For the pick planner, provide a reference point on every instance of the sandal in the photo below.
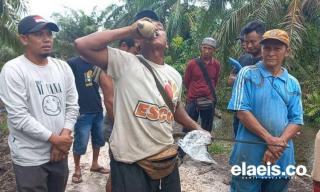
(101, 170)
(76, 178)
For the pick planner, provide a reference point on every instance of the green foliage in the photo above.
(74, 24)
(312, 106)
(3, 125)
(6, 54)
(219, 148)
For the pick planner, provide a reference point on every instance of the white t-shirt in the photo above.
(40, 100)
(143, 122)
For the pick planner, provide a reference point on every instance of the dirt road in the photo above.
(191, 181)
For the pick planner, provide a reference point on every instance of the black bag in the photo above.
(204, 103)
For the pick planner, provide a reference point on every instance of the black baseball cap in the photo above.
(146, 13)
(34, 23)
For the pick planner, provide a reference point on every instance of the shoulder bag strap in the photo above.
(163, 93)
(206, 77)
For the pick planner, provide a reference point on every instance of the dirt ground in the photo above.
(195, 177)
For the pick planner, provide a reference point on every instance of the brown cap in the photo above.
(277, 34)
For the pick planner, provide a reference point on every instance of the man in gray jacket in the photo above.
(40, 97)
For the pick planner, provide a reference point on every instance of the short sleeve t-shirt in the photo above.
(143, 122)
(89, 96)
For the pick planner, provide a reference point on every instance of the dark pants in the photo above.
(132, 178)
(205, 115)
(49, 177)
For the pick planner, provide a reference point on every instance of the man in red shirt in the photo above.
(198, 88)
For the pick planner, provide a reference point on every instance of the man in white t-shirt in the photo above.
(41, 99)
(143, 121)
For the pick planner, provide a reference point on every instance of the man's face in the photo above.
(135, 49)
(274, 52)
(252, 42)
(206, 51)
(160, 39)
(243, 44)
(38, 43)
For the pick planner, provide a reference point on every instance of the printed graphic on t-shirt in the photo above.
(88, 77)
(171, 89)
(51, 104)
(154, 112)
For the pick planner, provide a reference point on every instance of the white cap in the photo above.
(209, 41)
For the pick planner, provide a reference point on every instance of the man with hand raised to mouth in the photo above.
(143, 121)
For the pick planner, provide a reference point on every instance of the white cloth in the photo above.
(316, 163)
(40, 100)
(143, 122)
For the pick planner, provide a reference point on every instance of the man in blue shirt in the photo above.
(267, 100)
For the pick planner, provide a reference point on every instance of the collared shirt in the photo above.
(195, 82)
(274, 101)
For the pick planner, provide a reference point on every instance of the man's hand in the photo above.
(143, 29)
(61, 142)
(276, 150)
(269, 157)
(56, 154)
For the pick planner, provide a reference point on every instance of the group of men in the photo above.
(142, 96)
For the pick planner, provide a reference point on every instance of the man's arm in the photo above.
(107, 90)
(232, 77)
(187, 76)
(93, 47)
(182, 117)
(72, 107)
(216, 78)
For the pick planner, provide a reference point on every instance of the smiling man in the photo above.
(143, 119)
(267, 100)
(40, 97)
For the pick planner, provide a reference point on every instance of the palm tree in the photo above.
(290, 15)
(10, 12)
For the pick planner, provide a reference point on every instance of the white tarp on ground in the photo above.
(195, 145)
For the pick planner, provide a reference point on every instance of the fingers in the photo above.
(269, 157)
(57, 155)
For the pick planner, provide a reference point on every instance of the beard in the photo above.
(45, 55)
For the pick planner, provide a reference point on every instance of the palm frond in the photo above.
(294, 24)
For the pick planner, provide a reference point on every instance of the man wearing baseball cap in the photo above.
(143, 112)
(267, 100)
(200, 79)
(40, 97)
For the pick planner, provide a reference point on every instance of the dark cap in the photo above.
(146, 13)
(34, 23)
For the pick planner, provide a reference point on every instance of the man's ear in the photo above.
(167, 45)
(23, 39)
(288, 51)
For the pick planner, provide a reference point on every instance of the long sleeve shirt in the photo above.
(40, 101)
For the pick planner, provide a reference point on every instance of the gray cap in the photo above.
(209, 41)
